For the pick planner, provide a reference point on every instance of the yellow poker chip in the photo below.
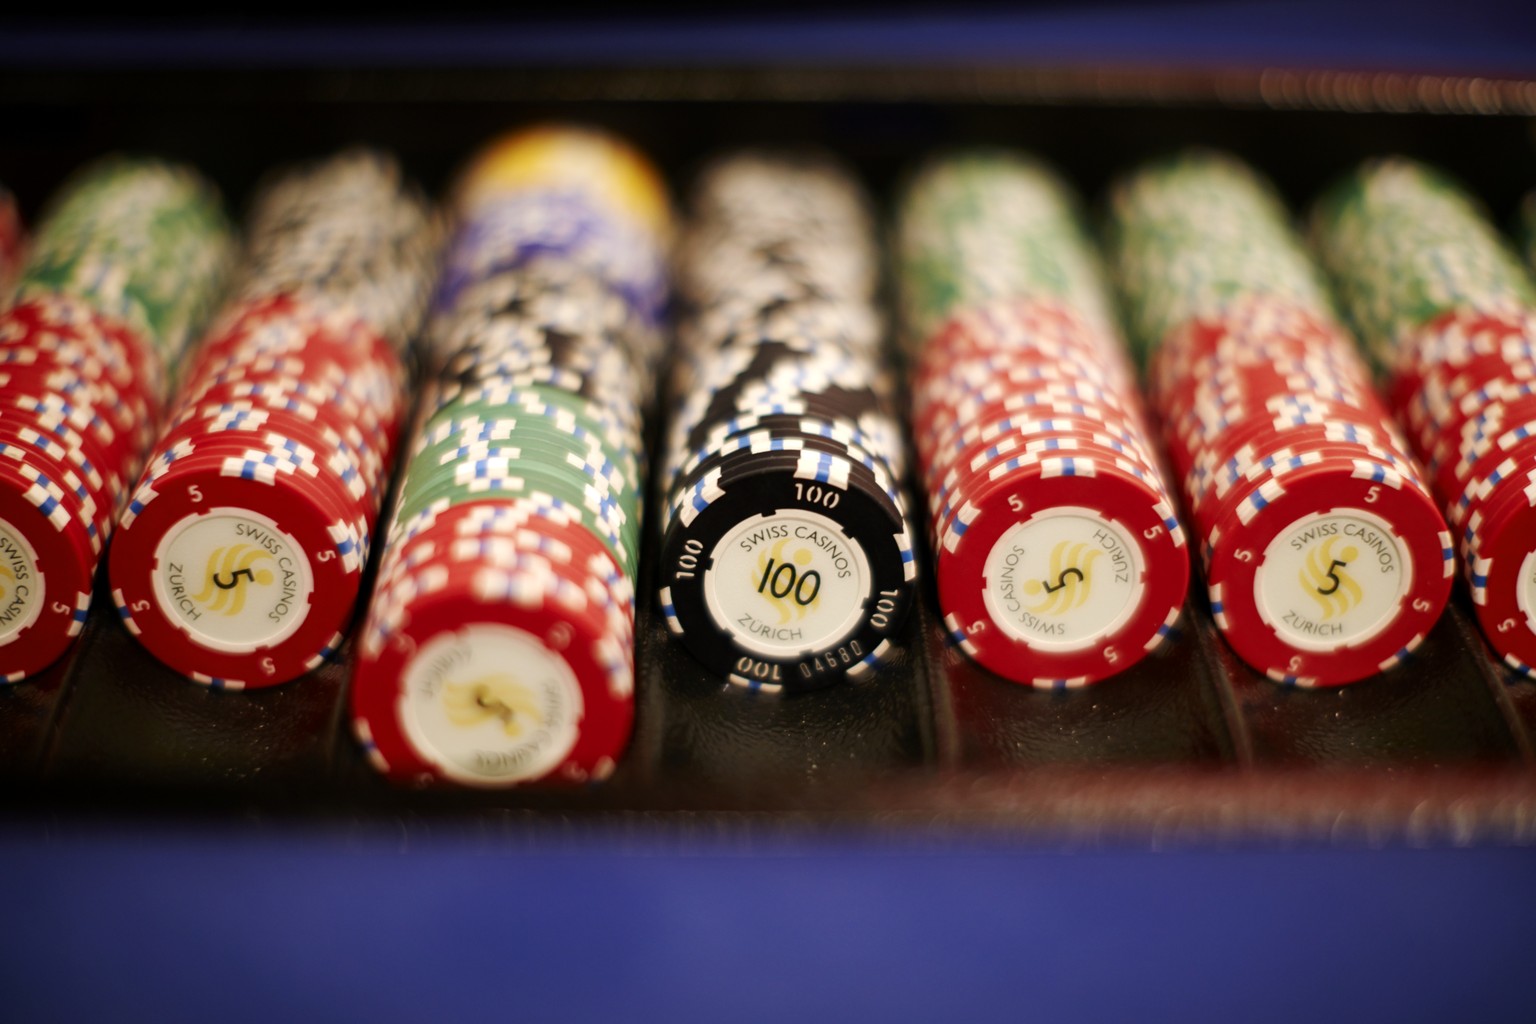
(570, 157)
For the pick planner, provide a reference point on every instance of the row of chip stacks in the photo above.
(1319, 512)
(237, 411)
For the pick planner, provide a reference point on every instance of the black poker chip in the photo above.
(787, 561)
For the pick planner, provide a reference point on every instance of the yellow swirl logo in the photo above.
(229, 570)
(1326, 581)
(492, 698)
(1070, 576)
(7, 582)
(786, 582)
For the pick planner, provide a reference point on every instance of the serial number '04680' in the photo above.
(835, 660)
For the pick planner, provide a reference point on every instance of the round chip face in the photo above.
(46, 565)
(233, 580)
(1333, 578)
(491, 704)
(1525, 591)
(785, 583)
(22, 584)
(1064, 579)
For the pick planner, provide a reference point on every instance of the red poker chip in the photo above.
(1226, 495)
(288, 324)
(367, 449)
(1329, 575)
(357, 363)
(232, 581)
(1023, 364)
(960, 481)
(1346, 438)
(1226, 483)
(1455, 339)
(1014, 324)
(274, 431)
(97, 510)
(943, 418)
(46, 568)
(1010, 432)
(573, 548)
(1016, 367)
(1496, 481)
(1235, 429)
(239, 557)
(495, 677)
(53, 435)
(1032, 551)
(942, 450)
(334, 424)
(47, 407)
(69, 327)
(1036, 444)
(1495, 442)
(319, 399)
(254, 455)
(1248, 444)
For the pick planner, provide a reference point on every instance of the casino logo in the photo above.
(228, 572)
(7, 583)
(493, 698)
(1326, 580)
(1067, 585)
(786, 582)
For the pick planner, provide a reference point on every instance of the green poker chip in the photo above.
(526, 460)
(989, 224)
(1404, 243)
(533, 400)
(1192, 234)
(143, 241)
(579, 427)
(541, 445)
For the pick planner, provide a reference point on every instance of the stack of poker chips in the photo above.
(126, 262)
(238, 559)
(499, 646)
(1446, 303)
(786, 559)
(1060, 559)
(1324, 554)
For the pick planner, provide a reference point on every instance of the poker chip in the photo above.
(238, 558)
(786, 561)
(1451, 311)
(81, 352)
(499, 643)
(1059, 554)
(1326, 560)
